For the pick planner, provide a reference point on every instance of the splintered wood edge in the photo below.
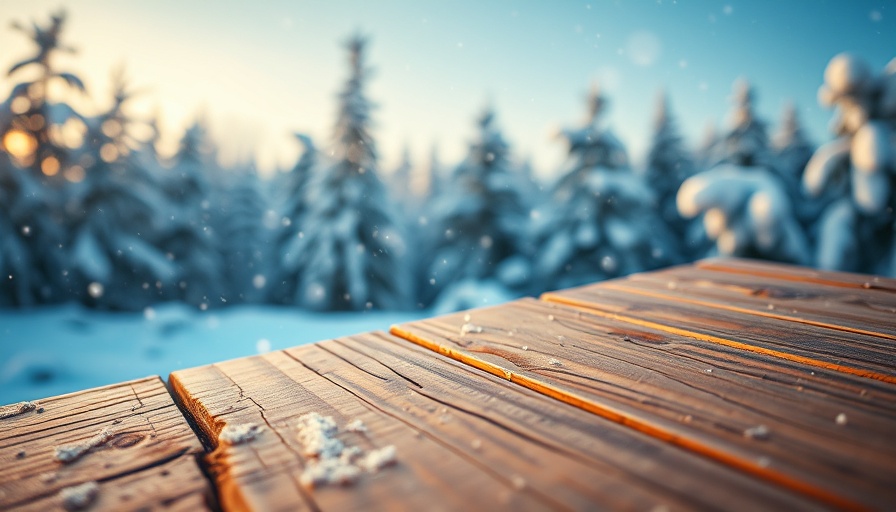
(196, 415)
(637, 424)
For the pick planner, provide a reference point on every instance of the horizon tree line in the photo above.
(90, 212)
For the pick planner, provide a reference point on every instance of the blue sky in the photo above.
(261, 70)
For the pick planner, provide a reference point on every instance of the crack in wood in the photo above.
(460, 453)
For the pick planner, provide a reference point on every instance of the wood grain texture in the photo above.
(274, 390)
(870, 312)
(466, 440)
(770, 271)
(697, 395)
(148, 462)
(849, 352)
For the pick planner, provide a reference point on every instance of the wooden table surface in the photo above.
(147, 460)
(727, 384)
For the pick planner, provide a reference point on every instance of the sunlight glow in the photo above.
(108, 152)
(73, 133)
(20, 144)
(20, 105)
(50, 166)
(74, 174)
(111, 128)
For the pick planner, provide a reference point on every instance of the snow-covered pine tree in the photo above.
(349, 253)
(115, 261)
(532, 190)
(704, 153)
(32, 134)
(283, 283)
(409, 198)
(187, 237)
(434, 173)
(668, 165)
(479, 219)
(187, 183)
(858, 231)
(293, 182)
(746, 143)
(744, 205)
(400, 186)
(29, 137)
(602, 222)
(146, 154)
(792, 148)
(242, 236)
(792, 151)
(433, 181)
(26, 277)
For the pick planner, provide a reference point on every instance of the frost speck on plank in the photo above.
(330, 461)
(72, 452)
(379, 458)
(760, 432)
(238, 434)
(356, 426)
(318, 436)
(79, 497)
(15, 409)
(468, 328)
(555, 362)
(329, 471)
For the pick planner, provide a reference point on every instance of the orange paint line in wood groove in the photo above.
(620, 287)
(640, 425)
(592, 309)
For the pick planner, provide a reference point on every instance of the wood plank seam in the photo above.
(510, 427)
(208, 433)
(719, 264)
(620, 286)
(213, 498)
(503, 425)
(583, 306)
(464, 373)
(610, 413)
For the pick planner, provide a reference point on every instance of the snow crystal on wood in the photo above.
(15, 409)
(79, 497)
(72, 452)
(239, 434)
(330, 460)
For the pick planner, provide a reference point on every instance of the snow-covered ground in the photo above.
(53, 350)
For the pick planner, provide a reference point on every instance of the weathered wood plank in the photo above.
(274, 391)
(561, 452)
(704, 397)
(870, 312)
(146, 461)
(177, 485)
(849, 352)
(464, 439)
(781, 271)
